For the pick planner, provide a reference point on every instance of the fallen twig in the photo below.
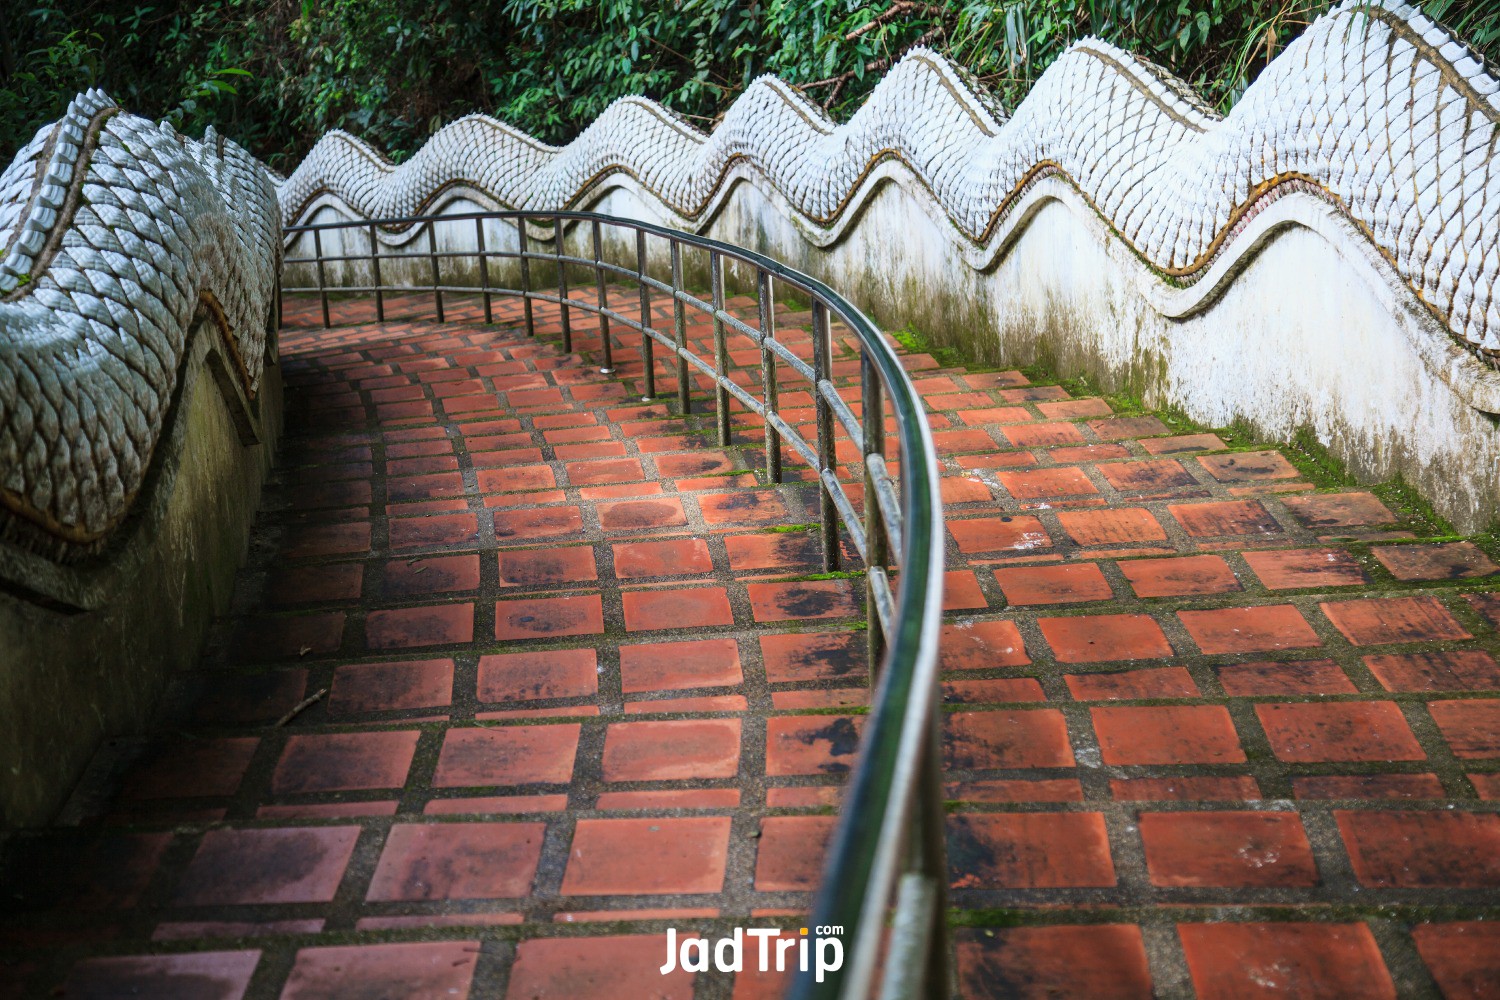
(301, 707)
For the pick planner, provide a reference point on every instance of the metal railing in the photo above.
(885, 876)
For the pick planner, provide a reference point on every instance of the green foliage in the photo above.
(279, 73)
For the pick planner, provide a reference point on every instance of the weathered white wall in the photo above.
(1325, 256)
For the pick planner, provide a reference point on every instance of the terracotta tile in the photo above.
(1016, 790)
(672, 798)
(1098, 638)
(493, 804)
(1298, 568)
(1487, 605)
(1338, 731)
(1111, 527)
(263, 696)
(83, 872)
(595, 968)
(1135, 477)
(1463, 956)
(250, 866)
(288, 637)
(1378, 620)
(784, 550)
(1186, 788)
(1167, 734)
(1227, 849)
(742, 507)
(332, 762)
(1127, 427)
(1339, 510)
(548, 617)
(1066, 584)
(457, 861)
(774, 602)
(674, 557)
(527, 523)
(206, 975)
(513, 478)
(1225, 518)
(662, 666)
(629, 857)
(789, 853)
(507, 755)
(1285, 677)
(821, 744)
(607, 470)
(701, 464)
(649, 610)
(542, 674)
(672, 750)
(1036, 484)
(191, 768)
(1472, 728)
(981, 645)
(403, 628)
(1448, 561)
(998, 534)
(427, 532)
(1183, 443)
(437, 575)
(1030, 850)
(547, 567)
(1155, 682)
(315, 584)
(983, 740)
(1368, 786)
(1105, 961)
(1450, 670)
(423, 969)
(1233, 960)
(632, 515)
(992, 691)
(963, 489)
(1423, 850)
(1248, 466)
(1042, 435)
(1249, 630)
(383, 687)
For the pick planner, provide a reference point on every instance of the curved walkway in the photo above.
(525, 671)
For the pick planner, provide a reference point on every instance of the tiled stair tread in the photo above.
(518, 652)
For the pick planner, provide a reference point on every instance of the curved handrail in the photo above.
(892, 817)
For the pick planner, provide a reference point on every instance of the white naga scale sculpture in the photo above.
(115, 233)
(1374, 108)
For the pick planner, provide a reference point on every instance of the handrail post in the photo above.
(375, 267)
(766, 307)
(437, 291)
(930, 817)
(648, 359)
(721, 346)
(484, 270)
(679, 328)
(525, 277)
(877, 541)
(603, 300)
(828, 515)
(322, 284)
(562, 291)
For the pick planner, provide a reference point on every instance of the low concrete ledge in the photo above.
(140, 403)
(90, 646)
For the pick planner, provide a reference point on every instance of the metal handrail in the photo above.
(889, 838)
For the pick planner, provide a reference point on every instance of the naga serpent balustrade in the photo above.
(892, 822)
